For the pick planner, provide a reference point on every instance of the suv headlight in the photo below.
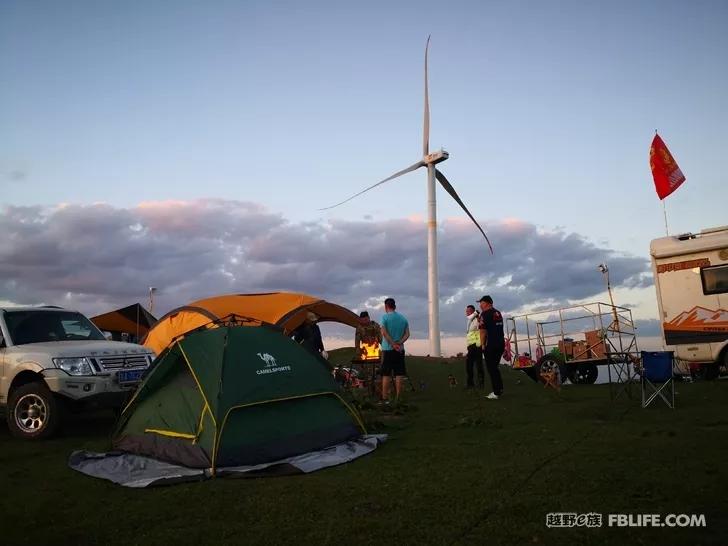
(74, 366)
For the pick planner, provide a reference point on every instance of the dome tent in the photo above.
(235, 394)
(230, 393)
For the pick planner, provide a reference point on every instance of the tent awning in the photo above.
(133, 320)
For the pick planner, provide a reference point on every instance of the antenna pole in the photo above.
(433, 291)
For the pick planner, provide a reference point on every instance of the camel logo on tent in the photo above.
(269, 360)
(271, 366)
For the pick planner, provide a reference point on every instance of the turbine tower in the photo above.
(429, 160)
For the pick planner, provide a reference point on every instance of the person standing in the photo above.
(367, 339)
(472, 342)
(492, 343)
(368, 348)
(309, 336)
(395, 331)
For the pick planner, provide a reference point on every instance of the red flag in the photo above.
(665, 172)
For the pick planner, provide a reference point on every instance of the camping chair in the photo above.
(657, 370)
(550, 379)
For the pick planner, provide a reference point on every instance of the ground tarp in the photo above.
(136, 471)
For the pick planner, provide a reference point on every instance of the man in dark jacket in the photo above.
(309, 336)
(492, 341)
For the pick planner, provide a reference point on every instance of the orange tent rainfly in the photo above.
(286, 310)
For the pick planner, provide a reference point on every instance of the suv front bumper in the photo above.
(88, 388)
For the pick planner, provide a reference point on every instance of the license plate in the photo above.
(130, 376)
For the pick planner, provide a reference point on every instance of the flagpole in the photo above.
(664, 212)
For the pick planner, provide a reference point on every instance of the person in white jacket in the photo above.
(475, 354)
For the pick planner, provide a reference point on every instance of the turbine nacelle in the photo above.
(435, 157)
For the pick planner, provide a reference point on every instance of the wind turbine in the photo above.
(429, 160)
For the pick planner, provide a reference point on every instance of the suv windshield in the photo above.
(40, 326)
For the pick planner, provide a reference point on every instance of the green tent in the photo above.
(235, 395)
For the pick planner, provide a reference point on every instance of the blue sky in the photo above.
(547, 109)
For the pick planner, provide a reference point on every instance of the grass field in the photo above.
(457, 469)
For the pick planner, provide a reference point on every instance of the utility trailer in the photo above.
(574, 341)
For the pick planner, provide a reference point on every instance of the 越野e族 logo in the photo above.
(271, 365)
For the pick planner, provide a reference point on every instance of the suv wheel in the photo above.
(33, 412)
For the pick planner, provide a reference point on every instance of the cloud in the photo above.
(16, 175)
(648, 327)
(98, 257)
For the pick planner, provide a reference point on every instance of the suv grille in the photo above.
(129, 361)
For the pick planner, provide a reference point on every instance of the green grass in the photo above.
(457, 469)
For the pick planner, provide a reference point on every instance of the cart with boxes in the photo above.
(572, 342)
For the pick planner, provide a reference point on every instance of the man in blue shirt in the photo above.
(395, 331)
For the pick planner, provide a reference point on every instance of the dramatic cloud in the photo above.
(98, 257)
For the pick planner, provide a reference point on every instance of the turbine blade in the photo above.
(426, 123)
(449, 189)
(395, 175)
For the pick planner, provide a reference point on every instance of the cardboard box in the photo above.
(596, 343)
(566, 347)
(581, 350)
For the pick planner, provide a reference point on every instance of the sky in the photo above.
(189, 145)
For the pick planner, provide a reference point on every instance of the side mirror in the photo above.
(2, 342)
(109, 336)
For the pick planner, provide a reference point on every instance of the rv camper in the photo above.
(691, 278)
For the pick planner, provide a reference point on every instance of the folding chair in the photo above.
(657, 379)
(551, 379)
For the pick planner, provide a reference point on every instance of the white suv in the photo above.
(52, 359)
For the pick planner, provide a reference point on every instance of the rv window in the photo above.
(715, 279)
